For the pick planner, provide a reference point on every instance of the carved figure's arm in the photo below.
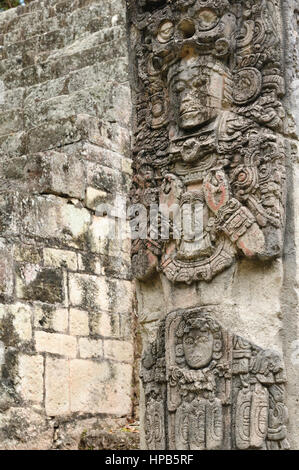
(234, 219)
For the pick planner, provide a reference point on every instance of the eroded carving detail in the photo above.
(208, 131)
(219, 391)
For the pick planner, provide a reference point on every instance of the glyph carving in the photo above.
(214, 391)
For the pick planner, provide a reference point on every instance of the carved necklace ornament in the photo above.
(208, 122)
(214, 390)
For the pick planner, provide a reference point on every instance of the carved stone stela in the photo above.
(208, 137)
(208, 389)
(208, 127)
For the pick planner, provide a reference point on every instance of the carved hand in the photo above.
(216, 190)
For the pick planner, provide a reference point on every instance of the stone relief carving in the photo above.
(208, 131)
(214, 390)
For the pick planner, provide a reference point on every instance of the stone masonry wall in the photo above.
(66, 347)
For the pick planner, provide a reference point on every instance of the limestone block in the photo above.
(10, 122)
(120, 111)
(104, 324)
(83, 78)
(36, 283)
(75, 219)
(59, 133)
(45, 91)
(100, 387)
(102, 235)
(118, 267)
(90, 17)
(93, 153)
(90, 348)
(6, 270)
(12, 99)
(90, 263)
(94, 197)
(127, 327)
(56, 258)
(17, 319)
(118, 350)
(86, 392)
(60, 107)
(120, 295)
(103, 178)
(117, 392)
(79, 322)
(47, 24)
(62, 174)
(24, 20)
(22, 321)
(13, 144)
(30, 372)
(88, 291)
(55, 343)
(52, 217)
(27, 253)
(57, 383)
(51, 318)
(115, 137)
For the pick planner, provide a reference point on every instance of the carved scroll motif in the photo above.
(208, 125)
(218, 390)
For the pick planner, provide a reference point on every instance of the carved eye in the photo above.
(157, 109)
(242, 177)
(207, 19)
(263, 170)
(203, 339)
(179, 87)
(189, 340)
(166, 31)
(179, 350)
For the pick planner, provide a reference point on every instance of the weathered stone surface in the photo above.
(65, 112)
(105, 324)
(88, 291)
(57, 387)
(227, 189)
(214, 133)
(54, 343)
(36, 283)
(31, 385)
(56, 258)
(221, 391)
(50, 317)
(90, 348)
(79, 325)
(6, 273)
(118, 350)
(95, 387)
(104, 440)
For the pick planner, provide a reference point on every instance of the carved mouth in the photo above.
(189, 111)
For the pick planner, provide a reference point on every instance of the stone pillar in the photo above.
(214, 157)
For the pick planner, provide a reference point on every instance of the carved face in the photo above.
(165, 32)
(198, 348)
(196, 90)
